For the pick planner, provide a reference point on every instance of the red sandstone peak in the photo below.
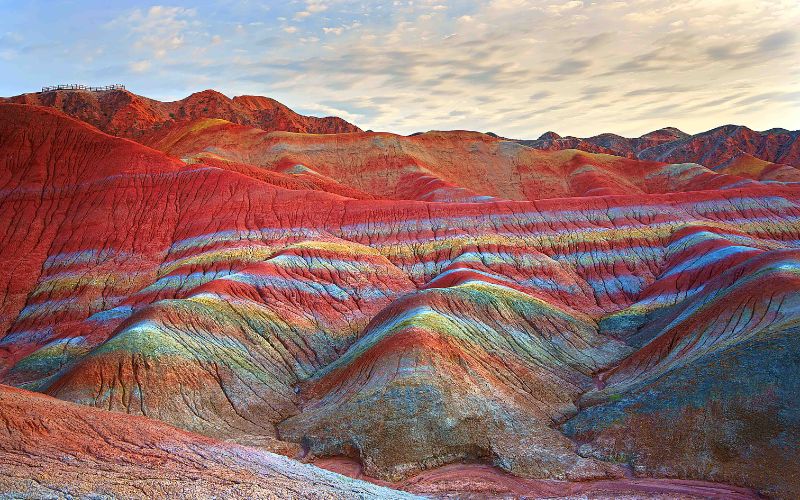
(666, 133)
(549, 136)
(123, 113)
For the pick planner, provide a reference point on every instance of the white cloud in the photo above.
(561, 8)
(160, 29)
(140, 66)
(598, 68)
(312, 7)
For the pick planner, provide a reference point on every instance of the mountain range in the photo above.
(731, 149)
(194, 291)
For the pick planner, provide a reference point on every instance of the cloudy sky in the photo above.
(514, 67)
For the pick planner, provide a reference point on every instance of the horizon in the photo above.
(516, 68)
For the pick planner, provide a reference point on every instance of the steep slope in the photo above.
(44, 159)
(721, 362)
(403, 334)
(53, 449)
(125, 114)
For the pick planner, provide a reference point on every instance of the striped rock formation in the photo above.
(407, 303)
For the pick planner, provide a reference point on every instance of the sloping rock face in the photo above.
(53, 449)
(723, 365)
(770, 155)
(123, 113)
(297, 293)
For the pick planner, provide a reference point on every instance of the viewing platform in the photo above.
(116, 86)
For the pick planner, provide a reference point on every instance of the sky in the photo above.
(517, 68)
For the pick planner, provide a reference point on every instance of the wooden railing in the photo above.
(116, 86)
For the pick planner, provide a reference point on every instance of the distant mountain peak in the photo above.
(549, 136)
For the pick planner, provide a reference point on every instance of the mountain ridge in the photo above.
(123, 113)
(714, 148)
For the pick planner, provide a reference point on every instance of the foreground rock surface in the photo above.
(482, 481)
(53, 449)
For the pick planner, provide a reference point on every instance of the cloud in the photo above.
(563, 7)
(10, 39)
(312, 7)
(323, 110)
(770, 97)
(722, 52)
(770, 46)
(595, 90)
(516, 67)
(10, 45)
(776, 41)
(140, 66)
(660, 90)
(159, 29)
(566, 68)
(538, 96)
(585, 43)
